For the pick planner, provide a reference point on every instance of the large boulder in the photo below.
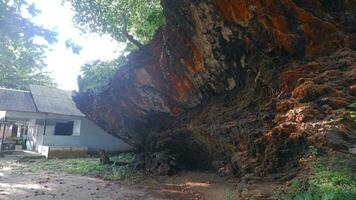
(247, 84)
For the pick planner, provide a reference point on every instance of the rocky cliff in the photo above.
(243, 86)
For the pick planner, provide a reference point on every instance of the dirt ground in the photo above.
(44, 184)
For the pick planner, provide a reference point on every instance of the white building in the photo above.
(51, 124)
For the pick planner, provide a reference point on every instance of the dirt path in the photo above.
(188, 186)
(58, 185)
(49, 184)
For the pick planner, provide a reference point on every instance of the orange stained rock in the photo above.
(289, 79)
(268, 15)
(236, 11)
(197, 64)
(268, 136)
(180, 87)
(176, 111)
(272, 20)
(318, 33)
(285, 40)
(283, 36)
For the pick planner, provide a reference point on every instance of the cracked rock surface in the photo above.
(243, 87)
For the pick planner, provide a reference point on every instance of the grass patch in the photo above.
(331, 179)
(82, 166)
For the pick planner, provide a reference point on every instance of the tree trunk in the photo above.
(128, 35)
(132, 39)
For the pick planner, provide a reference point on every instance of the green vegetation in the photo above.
(97, 74)
(228, 195)
(331, 179)
(352, 111)
(70, 44)
(130, 21)
(94, 168)
(82, 166)
(313, 151)
(21, 58)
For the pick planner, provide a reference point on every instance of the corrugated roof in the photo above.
(53, 100)
(16, 100)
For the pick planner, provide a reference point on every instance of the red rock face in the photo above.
(247, 84)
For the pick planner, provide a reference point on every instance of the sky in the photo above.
(64, 65)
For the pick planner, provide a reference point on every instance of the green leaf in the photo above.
(21, 60)
(328, 196)
(96, 75)
(140, 18)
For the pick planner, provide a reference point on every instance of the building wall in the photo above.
(90, 135)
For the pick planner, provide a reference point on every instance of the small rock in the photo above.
(246, 178)
(352, 151)
(352, 89)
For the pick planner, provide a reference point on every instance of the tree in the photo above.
(130, 21)
(70, 44)
(21, 59)
(97, 74)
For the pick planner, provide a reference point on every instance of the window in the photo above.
(64, 128)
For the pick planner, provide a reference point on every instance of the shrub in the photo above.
(330, 179)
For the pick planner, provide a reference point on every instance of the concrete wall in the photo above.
(87, 134)
(64, 152)
(91, 136)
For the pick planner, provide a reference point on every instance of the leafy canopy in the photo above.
(133, 22)
(21, 59)
(70, 44)
(130, 21)
(97, 74)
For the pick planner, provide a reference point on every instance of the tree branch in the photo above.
(129, 36)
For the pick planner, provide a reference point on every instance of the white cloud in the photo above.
(61, 61)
